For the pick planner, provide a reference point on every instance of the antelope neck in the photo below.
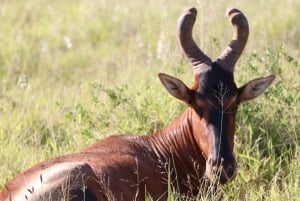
(177, 141)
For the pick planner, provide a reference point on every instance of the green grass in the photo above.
(73, 72)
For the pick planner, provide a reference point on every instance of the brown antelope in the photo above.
(198, 144)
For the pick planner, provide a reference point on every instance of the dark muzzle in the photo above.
(220, 171)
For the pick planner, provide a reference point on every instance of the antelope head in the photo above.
(214, 95)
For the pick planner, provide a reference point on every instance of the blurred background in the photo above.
(73, 72)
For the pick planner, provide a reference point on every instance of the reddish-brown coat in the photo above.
(197, 145)
(125, 167)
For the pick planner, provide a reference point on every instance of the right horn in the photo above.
(185, 26)
(235, 48)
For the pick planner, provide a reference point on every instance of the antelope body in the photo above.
(197, 145)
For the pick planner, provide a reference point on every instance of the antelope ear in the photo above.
(255, 88)
(176, 87)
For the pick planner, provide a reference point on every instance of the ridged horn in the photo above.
(185, 26)
(235, 48)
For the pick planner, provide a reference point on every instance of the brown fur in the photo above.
(129, 167)
(197, 146)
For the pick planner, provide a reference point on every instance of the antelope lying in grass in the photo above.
(198, 144)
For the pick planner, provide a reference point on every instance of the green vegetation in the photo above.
(73, 72)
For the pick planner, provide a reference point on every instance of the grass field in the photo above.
(73, 72)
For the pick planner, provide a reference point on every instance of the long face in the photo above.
(214, 95)
(215, 101)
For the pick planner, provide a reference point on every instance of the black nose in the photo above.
(224, 169)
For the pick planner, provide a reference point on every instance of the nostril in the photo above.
(231, 170)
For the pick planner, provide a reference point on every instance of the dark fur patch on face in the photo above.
(215, 83)
(221, 148)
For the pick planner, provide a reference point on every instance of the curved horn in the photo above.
(231, 54)
(190, 48)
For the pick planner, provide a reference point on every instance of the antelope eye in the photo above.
(200, 102)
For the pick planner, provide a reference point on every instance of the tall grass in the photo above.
(73, 72)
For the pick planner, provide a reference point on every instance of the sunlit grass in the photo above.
(73, 72)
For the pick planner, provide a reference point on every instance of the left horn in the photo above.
(198, 59)
(235, 48)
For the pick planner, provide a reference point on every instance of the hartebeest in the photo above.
(198, 144)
